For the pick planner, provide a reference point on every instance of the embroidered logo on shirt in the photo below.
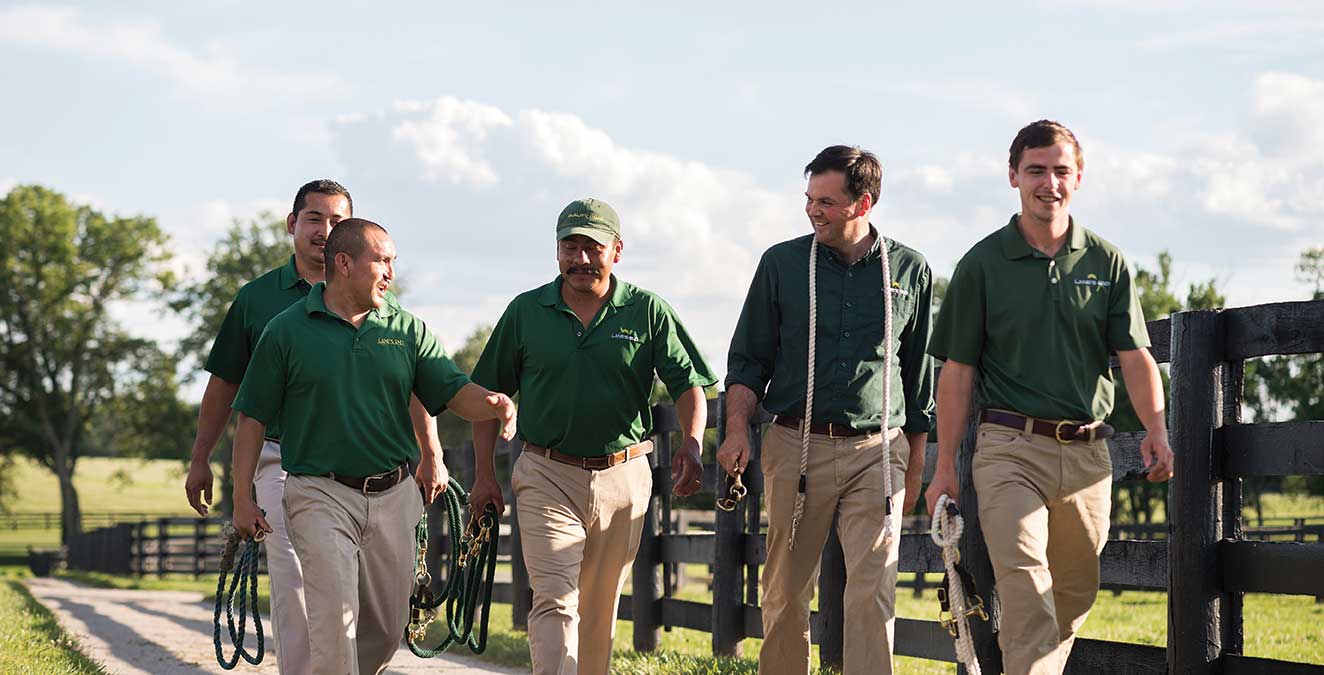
(898, 290)
(391, 342)
(1092, 280)
(627, 334)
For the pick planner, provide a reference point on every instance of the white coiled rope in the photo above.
(946, 533)
(806, 421)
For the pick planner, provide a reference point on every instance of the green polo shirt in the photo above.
(256, 303)
(340, 393)
(584, 391)
(1041, 329)
(770, 347)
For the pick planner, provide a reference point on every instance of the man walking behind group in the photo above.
(872, 408)
(1036, 308)
(582, 351)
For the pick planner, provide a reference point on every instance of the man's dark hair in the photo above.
(864, 175)
(349, 236)
(1043, 134)
(324, 186)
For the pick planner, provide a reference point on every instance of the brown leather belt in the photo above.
(1064, 431)
(828, 429)
(373, 484)
(593, 463)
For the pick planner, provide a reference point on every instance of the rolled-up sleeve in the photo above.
(916, 364)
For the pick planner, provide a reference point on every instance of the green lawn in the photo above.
(32, 642)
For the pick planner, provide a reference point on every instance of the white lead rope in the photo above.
(806, 421)
(946, 533)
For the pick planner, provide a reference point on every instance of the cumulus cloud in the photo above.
(216, 76)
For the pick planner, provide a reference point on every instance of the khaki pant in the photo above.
(845, 479)
(580, 532)
(1044, 507)
(358, 561)
(289, 616)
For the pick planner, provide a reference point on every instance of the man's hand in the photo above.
(486, 490)
(944, 482)
(431, 477)
(1157, 456)
(504, 410)
(248, 519)
(686, 469)
(733, 456)
(198, 486)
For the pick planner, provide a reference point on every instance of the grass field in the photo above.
(32, 642)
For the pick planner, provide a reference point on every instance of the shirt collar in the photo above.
(874, 252)
(622, 293)
(1014, 245)
(289, 275)
(315, 303)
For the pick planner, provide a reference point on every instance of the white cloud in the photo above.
(448, 140)
(216, 77)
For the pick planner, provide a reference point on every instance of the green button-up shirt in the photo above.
(1040, 329)
(770, 348)
(256, 303)
(584, 391)
(341, 394)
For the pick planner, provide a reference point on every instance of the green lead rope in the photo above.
(470, 571)
(243, 587)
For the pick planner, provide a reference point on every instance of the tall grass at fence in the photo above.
(32, 640)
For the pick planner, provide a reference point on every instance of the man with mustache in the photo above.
(839, 465)
(318, 206)
(1036, 308)
(336, 371)
(582, 352)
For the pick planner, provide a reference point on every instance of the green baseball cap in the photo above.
(590, 217)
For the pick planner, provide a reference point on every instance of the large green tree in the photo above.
(248, 250)
(63, 357)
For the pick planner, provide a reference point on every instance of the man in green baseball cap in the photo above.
(582, 352)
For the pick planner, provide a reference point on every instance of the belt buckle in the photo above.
(1057, 433)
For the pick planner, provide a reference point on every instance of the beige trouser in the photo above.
(845, 479)
(1044, 508)
(358, 561)
(289, 617)
(580, 532)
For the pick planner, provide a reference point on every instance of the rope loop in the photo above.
(242, 591)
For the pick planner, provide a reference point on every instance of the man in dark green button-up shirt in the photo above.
(337, 372)
(1036, 308)
(582, 352)
(857, 435)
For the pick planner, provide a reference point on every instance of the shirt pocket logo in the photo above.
(628, 335)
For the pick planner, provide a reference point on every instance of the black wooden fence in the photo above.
(1204, 561)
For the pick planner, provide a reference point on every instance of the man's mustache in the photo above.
(585, 270)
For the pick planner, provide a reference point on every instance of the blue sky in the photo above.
(464, 128)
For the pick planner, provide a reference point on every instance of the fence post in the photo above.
(1231, 393)
(140, 547)
(1196, 603)
(974, 552)
(831, 601)
(521, 596)
(121, 549)
(162, 545)
(199, 550)
(728, 563)
(645, 598)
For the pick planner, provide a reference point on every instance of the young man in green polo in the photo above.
(1035, 309)
(839, 465)
(336, 371)
(582, 351)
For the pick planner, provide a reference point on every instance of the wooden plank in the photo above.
(1160, 338)
(974, 552)
(666, 421)
(1125, 451)
(1196, 602)
(1235, 664)
(1135, 564)
(688, 548)
(1282, 567)
(1272, 449)
(727, 554)
(923, 640)
(1276, 328)
(1115, 658)
(686, 614)
(647, 590)
(521, 602)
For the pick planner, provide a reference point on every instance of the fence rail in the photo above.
(1202, 557)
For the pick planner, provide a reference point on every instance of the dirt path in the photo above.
(170, 633)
